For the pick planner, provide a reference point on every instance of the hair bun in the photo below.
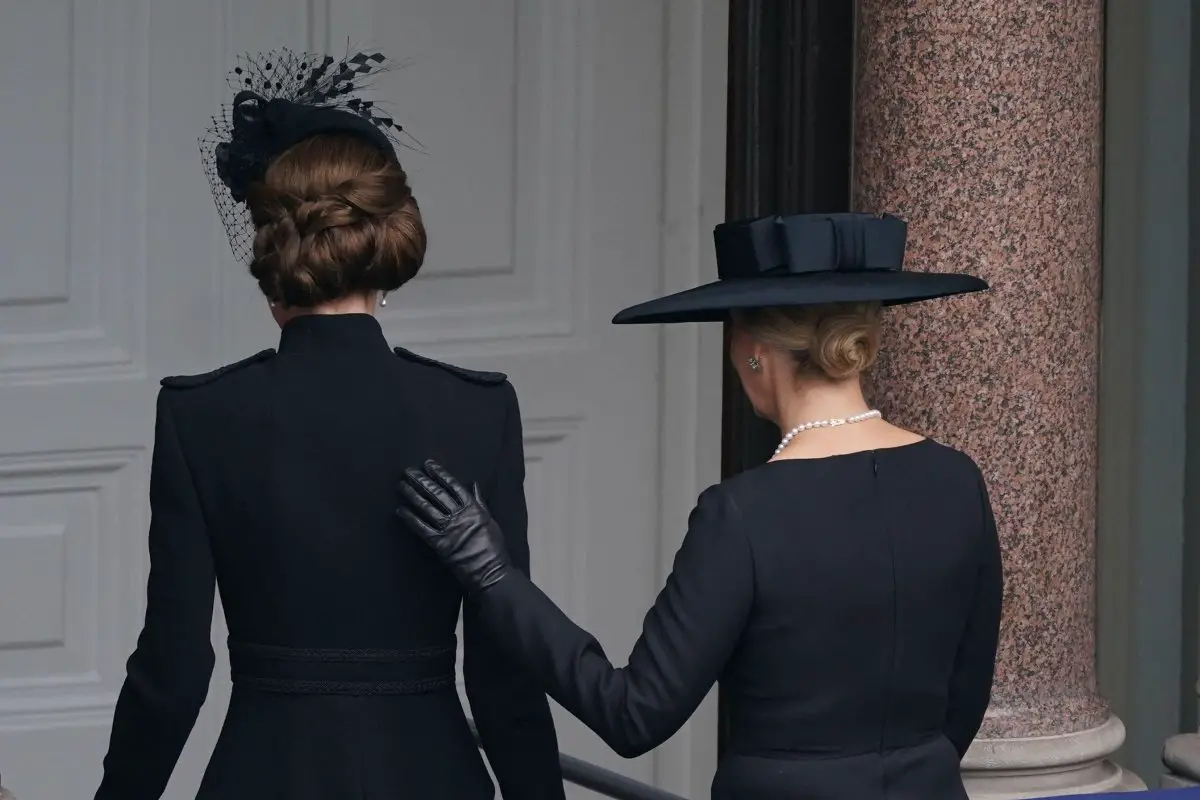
(838, 340)
(334, 216)
(329, 211)
(843, 346)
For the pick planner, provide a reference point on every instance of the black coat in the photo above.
(849, 607)
(274, 478)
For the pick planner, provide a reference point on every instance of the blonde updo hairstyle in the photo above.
(334, 216)
(837, 341)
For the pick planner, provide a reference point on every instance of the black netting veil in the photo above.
(280, 98)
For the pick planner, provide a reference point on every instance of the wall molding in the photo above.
(535, 289)
(1143, 402)
(693, 204)
(93, 326)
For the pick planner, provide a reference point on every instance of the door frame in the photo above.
(694, 155)
(1148, 491)
(789, 151)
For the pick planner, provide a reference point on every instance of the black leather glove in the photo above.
(456, 524)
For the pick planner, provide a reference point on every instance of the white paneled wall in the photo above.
(572, 165)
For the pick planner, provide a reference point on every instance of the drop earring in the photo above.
(755, 364)
(383, 299)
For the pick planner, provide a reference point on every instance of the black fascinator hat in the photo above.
(283, 98)
(804, 260)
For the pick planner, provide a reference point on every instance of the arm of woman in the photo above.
(975, 662)
(168, 674)
(687, 637)
(511, 712)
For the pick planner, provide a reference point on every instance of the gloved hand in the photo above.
(456, 524)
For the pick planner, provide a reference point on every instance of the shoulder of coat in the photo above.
(470, 375)
(192, 381)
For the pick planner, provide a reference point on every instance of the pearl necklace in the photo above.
(833, 422)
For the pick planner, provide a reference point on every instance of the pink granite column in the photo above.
(979, 121)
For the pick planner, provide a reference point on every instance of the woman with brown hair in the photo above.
(846, 594)
(273, 477)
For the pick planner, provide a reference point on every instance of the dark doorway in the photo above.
(790, 128)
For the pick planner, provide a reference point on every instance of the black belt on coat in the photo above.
(370, 671)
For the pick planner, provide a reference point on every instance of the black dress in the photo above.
(274, 479)
(849, 607)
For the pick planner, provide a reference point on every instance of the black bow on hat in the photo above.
(803, 260)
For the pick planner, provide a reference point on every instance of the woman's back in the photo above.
(848, 604)
(291, 460)
(274, 478)
(866, 659)
(280, 473)
(849, 607)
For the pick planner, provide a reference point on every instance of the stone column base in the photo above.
(1181, 755)
(1172, 781)
(1045, 766)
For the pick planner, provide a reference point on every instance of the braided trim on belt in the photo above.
(356, 688)
(358, 671)
(335, 655)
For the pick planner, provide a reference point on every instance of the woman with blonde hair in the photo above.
(846, 594)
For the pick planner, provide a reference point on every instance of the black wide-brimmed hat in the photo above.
(804, 260)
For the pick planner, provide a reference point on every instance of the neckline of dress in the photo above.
(870, 451)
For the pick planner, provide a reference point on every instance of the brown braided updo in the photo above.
(334, 216)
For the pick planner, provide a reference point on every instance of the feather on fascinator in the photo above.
(282, 98)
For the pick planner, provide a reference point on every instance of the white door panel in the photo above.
(571, 166)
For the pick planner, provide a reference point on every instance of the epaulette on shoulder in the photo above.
(192, 381)
(474, 376)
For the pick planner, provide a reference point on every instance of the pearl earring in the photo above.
(383, 300)
(755, 364)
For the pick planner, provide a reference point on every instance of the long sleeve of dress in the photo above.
(168, 674)
(687, 637)
(974, 664)
(511, 711)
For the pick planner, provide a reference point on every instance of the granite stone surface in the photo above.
(979, 121)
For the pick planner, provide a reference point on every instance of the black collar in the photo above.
(322, 332)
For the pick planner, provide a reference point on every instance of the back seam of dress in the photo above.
(885, 529)
(360, 749)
